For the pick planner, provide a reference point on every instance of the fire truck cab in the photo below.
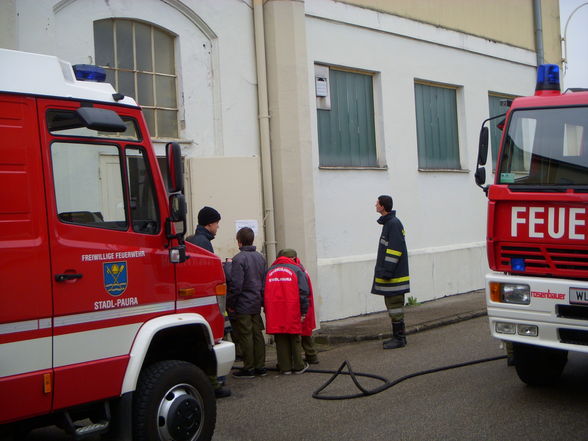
(537, 231)
(109, 322)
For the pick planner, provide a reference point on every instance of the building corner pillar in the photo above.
(290, 128)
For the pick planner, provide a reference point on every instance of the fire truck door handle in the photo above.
(64, 277)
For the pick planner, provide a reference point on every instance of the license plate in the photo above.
(579, 296)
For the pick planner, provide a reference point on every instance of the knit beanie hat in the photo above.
(208, 215)
(288, 252)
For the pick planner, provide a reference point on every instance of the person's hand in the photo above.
(303, 317)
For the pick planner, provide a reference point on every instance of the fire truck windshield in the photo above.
(546, 147)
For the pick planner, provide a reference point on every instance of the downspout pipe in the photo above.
(264, 133)
(538, 31)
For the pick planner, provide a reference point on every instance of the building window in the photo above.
(496, 107)
(437, 135)
(346, 130)
(140, 62)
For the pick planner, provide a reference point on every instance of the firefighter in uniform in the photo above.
(391, 277)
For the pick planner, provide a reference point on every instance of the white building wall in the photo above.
(444, 213)
(215, 60)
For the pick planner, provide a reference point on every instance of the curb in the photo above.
(327, 339)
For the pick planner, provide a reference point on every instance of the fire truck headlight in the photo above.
(520, 294)
(527, 330)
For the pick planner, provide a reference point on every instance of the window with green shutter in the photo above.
(437, 130)
(346, 131)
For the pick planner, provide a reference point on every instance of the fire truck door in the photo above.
(111, 271)
(25, 279)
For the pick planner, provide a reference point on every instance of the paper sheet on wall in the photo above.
(251, 223)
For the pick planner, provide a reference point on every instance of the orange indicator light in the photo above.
(495, 292)
(221, 289)
(187, 292)
(47, 383)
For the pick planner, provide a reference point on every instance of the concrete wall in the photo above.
(236, 196)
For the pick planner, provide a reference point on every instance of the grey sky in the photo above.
(576, 74)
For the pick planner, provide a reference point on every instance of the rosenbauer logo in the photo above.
(115, 277)
(548, 295)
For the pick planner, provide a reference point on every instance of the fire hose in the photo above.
(345, 369)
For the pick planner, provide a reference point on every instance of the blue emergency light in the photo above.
(89, 72)
(518, 264)
(547, 77)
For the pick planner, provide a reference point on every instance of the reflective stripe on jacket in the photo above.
(391, 275)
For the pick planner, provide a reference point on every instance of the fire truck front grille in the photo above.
(561, 261)
(573, 336)
(572, 312)
(532, 255)
(569, 259)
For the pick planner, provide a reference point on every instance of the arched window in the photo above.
(139, 59)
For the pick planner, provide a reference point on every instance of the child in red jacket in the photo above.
(286, 296)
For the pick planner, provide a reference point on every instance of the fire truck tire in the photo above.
(174, 400)
(538, 366)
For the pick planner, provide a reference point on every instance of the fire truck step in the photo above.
(95, 421)
(91, 429)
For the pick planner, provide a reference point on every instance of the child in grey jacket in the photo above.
(244, 301)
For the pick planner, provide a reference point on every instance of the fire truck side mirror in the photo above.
(175, 225)
(483, 146)
(177, 207)
(174, 167)
(480, 176)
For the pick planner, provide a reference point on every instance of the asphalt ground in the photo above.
(484, 401)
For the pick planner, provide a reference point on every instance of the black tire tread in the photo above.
(150, 378)
(538, 366)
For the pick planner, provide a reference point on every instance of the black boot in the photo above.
(398, 339)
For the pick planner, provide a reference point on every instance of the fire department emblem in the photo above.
(115, 278)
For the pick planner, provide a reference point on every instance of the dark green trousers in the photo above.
(289, 351)
(308, 348)
(395, 307)
(250, 340)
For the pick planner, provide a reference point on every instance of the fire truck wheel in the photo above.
(538, 366)
(175, 401)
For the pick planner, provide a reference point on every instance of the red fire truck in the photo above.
(537, 238)
(109, 322)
